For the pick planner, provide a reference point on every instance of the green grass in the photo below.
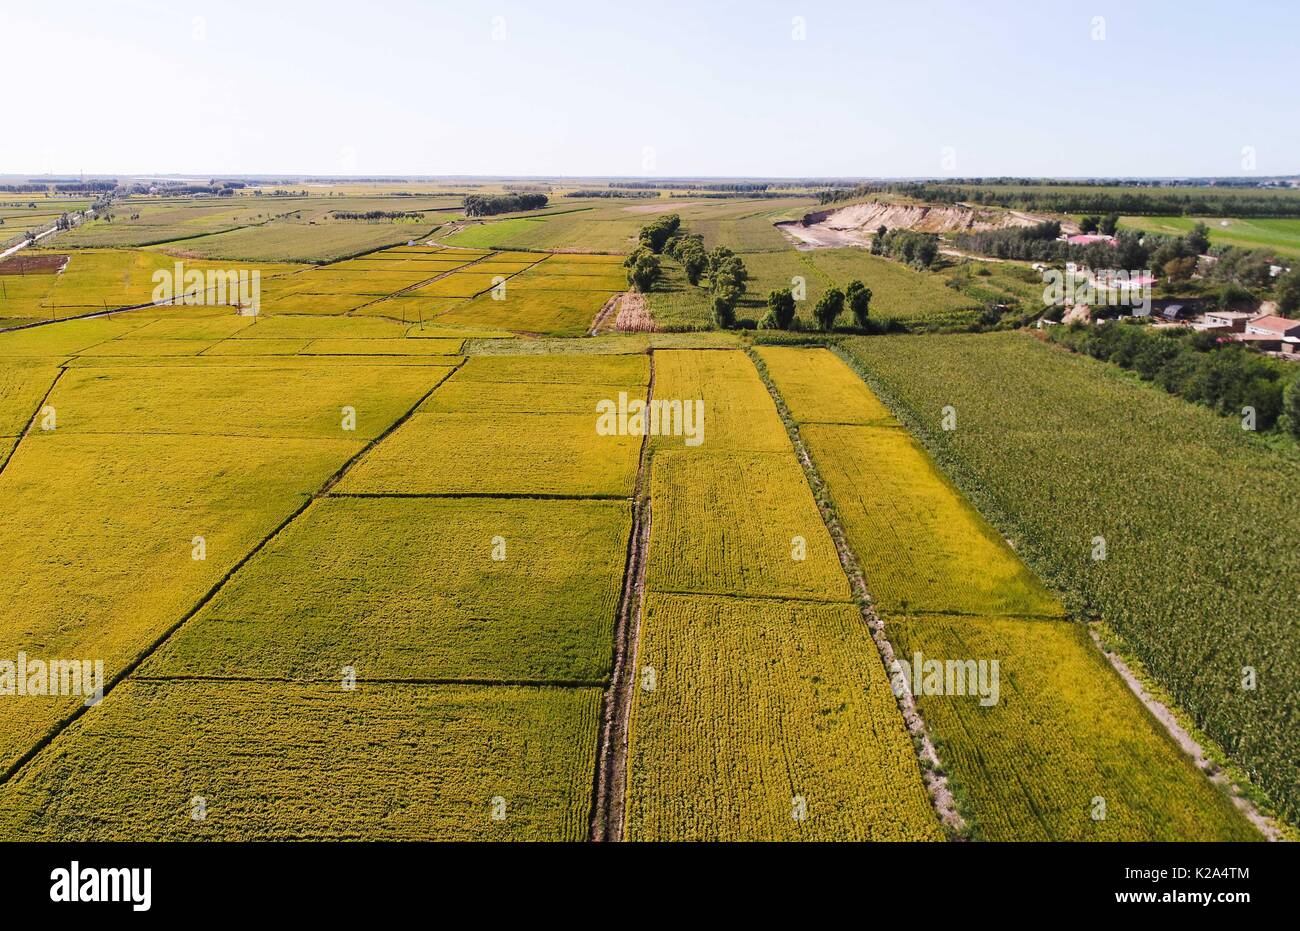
(1278, 234)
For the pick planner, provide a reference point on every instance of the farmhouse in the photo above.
(1233, 320)
(1273, 326)
(1264, 343)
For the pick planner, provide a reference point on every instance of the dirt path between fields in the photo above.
(1186, 742)
(606, 311)
(941, 797)
(609, 790)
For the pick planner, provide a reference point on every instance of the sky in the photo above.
(811, 88)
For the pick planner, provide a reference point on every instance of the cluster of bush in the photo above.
(1224, 376)
(485, 205)
(916, 249)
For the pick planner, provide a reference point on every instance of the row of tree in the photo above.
(486, 205)
(377, 215)
(856, 297)
(1105, 199)
(1225, 376)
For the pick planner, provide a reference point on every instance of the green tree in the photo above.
(1199, 239)
(724, 312)
(655, 236)
(1109, 224)
(694, 261)
(1291, 406)
(1288, 291)
(644, 273)
(1089, 224)
(829, 306)
(780, 310)
(858, 297)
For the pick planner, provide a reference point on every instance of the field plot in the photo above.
(409, 310)
(408, 588)
(738, 411)
(460, 395)
(1064, 732)
(762, 711)
(819, 388)
(629, 370)
(291, 400)
(922, 547)
(66, 339)
(502, 454)
(143, 224)
(736, 523)
(558, 313)
(23, 383)
(200, 328)
(463, 284)
(320, 304)
(319, 327)
(108, 583)
(285, 241)
(1059, 449)
(103, 279)
(342, 346)
(131, 768)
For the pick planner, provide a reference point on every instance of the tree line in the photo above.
(486, 205)
(1226, 377)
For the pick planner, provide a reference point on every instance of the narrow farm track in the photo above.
(941, 797)
(609, 789)
(1186, 742)
(126, 671)
(602, 316)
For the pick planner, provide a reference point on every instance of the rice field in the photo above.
(1043, 741)
(767, 720)
(525, 591)
(357, 564)
(157, 751)
(1059, 449)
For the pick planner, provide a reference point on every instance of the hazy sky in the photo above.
(647, 88)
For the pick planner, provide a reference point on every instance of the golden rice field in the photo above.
(350, 584)
(1065, 732)
(767, 720)
(923, 548)
(391, 761)
(739, 523)
(1063, 750)
(739, 414)
(357, 565)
